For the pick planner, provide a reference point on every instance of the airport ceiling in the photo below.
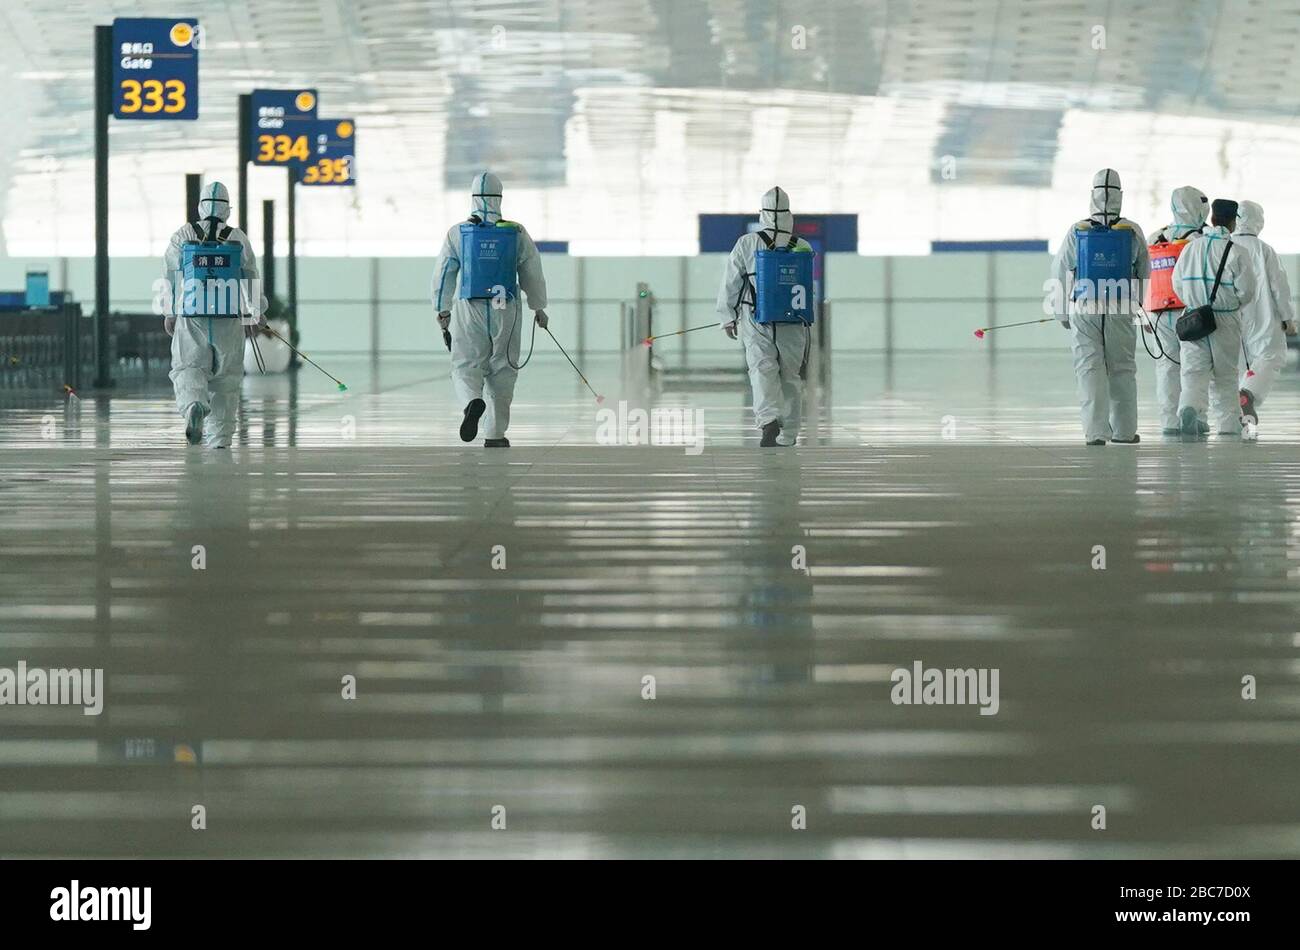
(613, 119)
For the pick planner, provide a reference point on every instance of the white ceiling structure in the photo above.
(615, 122)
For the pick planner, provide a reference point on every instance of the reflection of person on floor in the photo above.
(780, 618)
(776, 352)
(485, 262)
(208, 346)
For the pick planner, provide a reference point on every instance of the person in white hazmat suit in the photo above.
(775, 353)
(1210, 364)
(1190, 208)
(1094, 297)
(1266, 322)
(481, 324)
(208, 351)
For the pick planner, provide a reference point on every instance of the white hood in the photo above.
(214, 202)
(1106, 198)
(1190, 208)
(1250, 218)
(775, 217)
(485, 198)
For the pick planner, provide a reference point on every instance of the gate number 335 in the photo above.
(327, 170)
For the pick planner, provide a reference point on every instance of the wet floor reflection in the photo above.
(638, 651)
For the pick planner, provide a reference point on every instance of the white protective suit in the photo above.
(484, 339)
(1190, 208)
(208, 352)
(776, 352)
(1262, 335)
(1211, 363)
(1103, 341)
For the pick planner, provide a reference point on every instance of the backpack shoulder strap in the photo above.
(1218, 277)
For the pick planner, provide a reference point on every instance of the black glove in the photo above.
(446, 338)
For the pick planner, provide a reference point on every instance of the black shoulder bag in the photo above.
(1199, 323)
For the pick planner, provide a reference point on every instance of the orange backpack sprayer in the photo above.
(1160, 288)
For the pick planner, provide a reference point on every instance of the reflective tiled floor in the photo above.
(500, 613)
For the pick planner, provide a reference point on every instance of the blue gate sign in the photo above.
(280, 125)
(333, 154)
(156, 68)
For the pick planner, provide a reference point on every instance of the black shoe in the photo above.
(501, 443)
(770, 432)
(1133, 441)
(469, 425)
(194, 423)
(1097, 442)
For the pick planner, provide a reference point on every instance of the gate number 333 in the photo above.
(153, 95)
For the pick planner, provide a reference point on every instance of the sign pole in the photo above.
(193, 185)
(293, 255)
(243, 161)
(268, 247)
(103, 106)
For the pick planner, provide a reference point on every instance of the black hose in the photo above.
(1147, 346)
(257, 355)
(531, 342)
(1159, 345)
